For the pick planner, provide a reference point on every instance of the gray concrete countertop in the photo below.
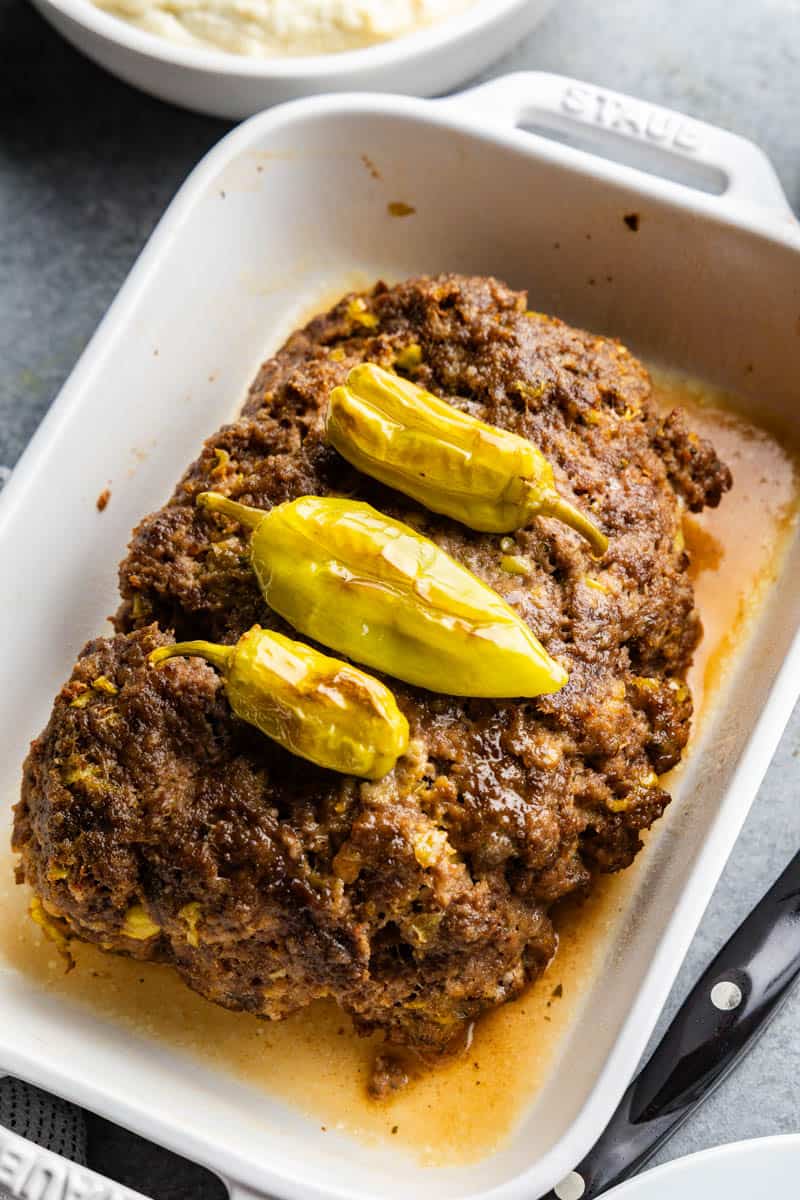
(87, 165)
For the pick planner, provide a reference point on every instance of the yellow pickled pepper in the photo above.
(377, 591)
(317, 707)
(485, 477)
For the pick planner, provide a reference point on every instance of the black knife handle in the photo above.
(731, 1004)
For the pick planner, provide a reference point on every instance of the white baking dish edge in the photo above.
(473, 111)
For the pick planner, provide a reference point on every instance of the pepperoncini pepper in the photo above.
(376, 590)
(478, 474)
(316, 707)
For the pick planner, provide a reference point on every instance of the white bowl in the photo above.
(426, 63)
(739, 1171)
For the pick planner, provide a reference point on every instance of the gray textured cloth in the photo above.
(44, 1119)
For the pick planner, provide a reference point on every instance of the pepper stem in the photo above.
(243, 513)
(553, 505)
(218, 656)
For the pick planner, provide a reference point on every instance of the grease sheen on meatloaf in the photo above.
(418, 901)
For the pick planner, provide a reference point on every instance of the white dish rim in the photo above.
(675, 1171)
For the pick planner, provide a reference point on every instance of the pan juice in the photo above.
(461, 1111)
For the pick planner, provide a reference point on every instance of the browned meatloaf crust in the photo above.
(418, 901)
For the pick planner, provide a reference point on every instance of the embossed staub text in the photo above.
(631, 117)
(29, 1173)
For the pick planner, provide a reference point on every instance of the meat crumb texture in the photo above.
(156, 824)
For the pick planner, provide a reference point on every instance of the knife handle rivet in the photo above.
(726, 995)
(572, 1187)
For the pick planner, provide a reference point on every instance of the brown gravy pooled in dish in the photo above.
(461, 1111)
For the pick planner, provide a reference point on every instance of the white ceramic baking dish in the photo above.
(283, 212)
(426, 63)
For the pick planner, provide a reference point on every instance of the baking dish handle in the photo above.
(656, 140)
(28, 1170)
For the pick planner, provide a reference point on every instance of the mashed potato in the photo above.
(263, 28)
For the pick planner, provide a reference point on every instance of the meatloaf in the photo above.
(155, 823)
